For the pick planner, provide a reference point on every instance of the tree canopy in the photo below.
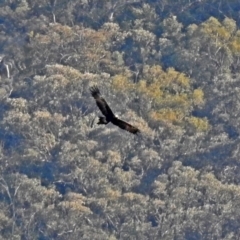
(171, 68)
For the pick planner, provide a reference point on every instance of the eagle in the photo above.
(108, 114)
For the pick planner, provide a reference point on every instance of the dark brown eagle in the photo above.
(107, 112)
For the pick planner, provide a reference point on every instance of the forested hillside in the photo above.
(170, 68)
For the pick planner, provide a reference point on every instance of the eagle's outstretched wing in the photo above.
(101, 103)
(107, 112)
(124, 125)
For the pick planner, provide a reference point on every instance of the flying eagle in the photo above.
(107, 112)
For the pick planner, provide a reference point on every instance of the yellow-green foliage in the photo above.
(224, 34)
(159, 86)
(177, 77)
(151, 90)
(216, 30)
(170, 93)
(200, 124)
(198, 96)
(234, 45)
(122, 83)
(167, 115)
(155, 73)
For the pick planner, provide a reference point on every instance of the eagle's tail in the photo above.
(102, 120)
